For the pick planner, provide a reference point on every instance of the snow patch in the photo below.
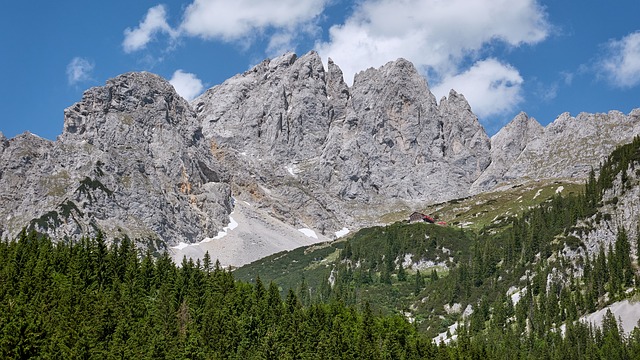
(181, 246)
(308, 232)
(340, 233)
(624, 311)
(537, 194)
(222, 233)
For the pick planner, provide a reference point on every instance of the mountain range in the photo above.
(288, 141)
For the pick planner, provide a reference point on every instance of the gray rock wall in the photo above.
(288, 136)
(131, 160)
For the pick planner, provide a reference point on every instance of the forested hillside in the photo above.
(510, 280)
(381, 294)
(87, 300)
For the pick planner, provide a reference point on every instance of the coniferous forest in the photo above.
(91, 300)
(86, 300)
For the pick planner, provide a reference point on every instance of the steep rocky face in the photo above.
(131, 160)
(506, 147)
(277, 109)
(398, 145)
(465, 140)
(308, 146)
(288, 137)
(566, 148)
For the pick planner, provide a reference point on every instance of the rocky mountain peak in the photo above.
(569, 147)
(455, 100)
(338, 93)
(506, 146)
(272, 109)
(132, 160)
(399, 69)
(288, 137)
(106, 114)
(464, 140)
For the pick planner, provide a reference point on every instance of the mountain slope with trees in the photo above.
(527, 274)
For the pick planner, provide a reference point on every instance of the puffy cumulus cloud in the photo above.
(431, 33)
(490, 87)
(155, 21)
(186, 84)
(79, 70)
(232, 20)
(283, 22)
(438, 37)
(621, 67)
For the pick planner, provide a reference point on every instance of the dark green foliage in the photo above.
(88, 186)
(90, 300)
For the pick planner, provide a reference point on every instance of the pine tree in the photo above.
(402, 274)
(622, 254)
(418, 283)
(434, 275)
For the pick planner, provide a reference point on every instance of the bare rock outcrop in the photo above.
(568, 148)
(131, 160)
(322, 154)
(506, 147)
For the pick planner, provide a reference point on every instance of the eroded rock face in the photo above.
(506, 147)
(570, 146)
(320, 153)
(565, 149)
(131, 160)
(289, 137)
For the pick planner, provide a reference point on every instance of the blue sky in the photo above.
(505, 56)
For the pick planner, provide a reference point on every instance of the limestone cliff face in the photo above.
(131, 160)
(330, 154)
(570, 146)
(289, 137)
(565, 149)
(506, 147)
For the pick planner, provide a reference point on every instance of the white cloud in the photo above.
(155, 21)
(187, 85)
(622, 66)
(490, 86)
(280, 43)
(439, 37)
(233, 20)
(79, 70)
